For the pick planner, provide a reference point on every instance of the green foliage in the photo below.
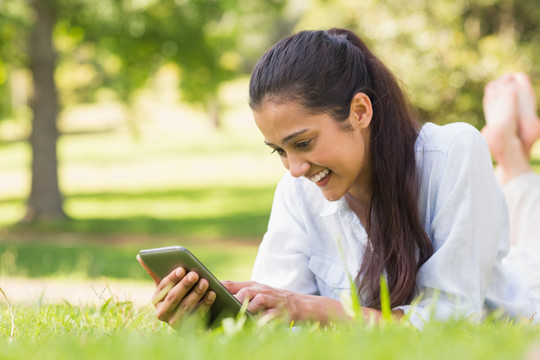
(118, 330)
(120, 44)
(443, 51)
(14, 19)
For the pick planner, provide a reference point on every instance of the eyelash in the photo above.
(302, 145)
(280, 152)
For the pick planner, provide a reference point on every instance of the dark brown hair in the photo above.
(322, 71)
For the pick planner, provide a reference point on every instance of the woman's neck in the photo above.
(360, 206)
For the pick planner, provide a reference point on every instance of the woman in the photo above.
(368, 192)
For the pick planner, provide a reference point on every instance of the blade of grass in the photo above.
(10, 309)
(385, 300)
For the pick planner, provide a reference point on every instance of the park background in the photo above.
(124, 125)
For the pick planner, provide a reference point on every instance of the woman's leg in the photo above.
(512, 127)
(529, 124)
(502, 128)
(523, 198)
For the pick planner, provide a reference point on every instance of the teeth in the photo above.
(320, 175)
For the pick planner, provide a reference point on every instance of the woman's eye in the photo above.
(303, 144)
(280, 152)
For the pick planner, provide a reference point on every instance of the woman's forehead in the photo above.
(272, 114)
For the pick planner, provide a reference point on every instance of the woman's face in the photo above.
(318, 148)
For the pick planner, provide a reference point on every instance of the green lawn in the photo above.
(218, 212)
(117, 330)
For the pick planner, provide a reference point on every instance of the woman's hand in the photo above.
(278, 302)
(297, 307)
(263, 298)
(179, 294)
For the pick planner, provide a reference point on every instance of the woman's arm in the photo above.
(296, 306)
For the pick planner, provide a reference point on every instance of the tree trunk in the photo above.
(45, 202)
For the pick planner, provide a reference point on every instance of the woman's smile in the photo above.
(321, 178)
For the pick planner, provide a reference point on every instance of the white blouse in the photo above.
(315, 246)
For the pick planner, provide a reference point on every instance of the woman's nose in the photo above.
(297, 166)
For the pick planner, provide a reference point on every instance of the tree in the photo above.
(45, 201)
(125, 42)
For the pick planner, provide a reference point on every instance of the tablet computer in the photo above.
(163, 260)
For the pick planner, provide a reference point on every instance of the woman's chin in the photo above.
(332, 196)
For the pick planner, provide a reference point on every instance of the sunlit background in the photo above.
(157, 144)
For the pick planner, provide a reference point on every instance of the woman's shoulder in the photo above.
(443, 138)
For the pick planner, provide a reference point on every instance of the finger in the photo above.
(235, 286)
(190, 301)
(174, 277)
(206, 303)
(161, 294)
(246, 294)
(166, 308)
(196, 295)
(152, 274)
(261, 302)
(167, 284)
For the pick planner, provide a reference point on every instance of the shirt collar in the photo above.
(331, 207)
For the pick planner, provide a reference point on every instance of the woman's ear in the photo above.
(361, 111)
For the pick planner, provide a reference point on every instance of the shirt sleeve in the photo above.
(468, 227)
(282, 260)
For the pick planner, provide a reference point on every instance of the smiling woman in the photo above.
(369, 192)
(306, 142)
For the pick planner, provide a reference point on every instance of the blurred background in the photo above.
(124, 124)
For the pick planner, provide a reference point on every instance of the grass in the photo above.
(131, 197)
(205, 212)
(115, 259)
(117, 330)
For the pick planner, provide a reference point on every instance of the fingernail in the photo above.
(202, 285)
(179, 272)
(211, 296)
(192, 277)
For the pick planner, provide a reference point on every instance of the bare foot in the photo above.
(529, 124)
(501, 130)
(500, 110)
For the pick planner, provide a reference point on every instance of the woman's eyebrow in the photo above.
(288, 138)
